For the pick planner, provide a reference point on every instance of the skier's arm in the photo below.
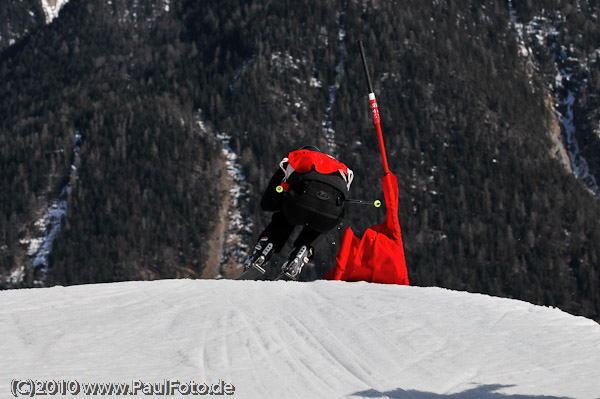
(271, 198)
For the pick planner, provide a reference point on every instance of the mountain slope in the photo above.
(300, 340)
(20, 18)
(17, 19)
(158, 92)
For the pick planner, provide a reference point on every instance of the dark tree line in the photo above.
(19, 19)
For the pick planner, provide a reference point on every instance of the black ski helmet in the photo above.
(310, 148)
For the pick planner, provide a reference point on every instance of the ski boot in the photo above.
(298, 258)
(263, 251)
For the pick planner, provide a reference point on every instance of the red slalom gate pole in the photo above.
(374, 109)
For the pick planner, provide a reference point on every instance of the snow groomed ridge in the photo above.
(325, 339)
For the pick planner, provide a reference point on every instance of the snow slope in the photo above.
(299, 340)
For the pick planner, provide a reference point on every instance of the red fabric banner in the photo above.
(379, 256)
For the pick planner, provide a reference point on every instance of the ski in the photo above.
(284, 277)
(254, 272)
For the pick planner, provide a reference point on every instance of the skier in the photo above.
(308, 189)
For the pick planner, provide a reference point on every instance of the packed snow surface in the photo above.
(325, 339)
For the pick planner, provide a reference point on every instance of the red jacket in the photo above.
(304, 161)
(323, 167)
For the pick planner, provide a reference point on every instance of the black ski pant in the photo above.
(280, 229)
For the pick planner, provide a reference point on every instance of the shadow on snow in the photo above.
(481, 392)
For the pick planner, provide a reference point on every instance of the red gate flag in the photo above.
(379, 256)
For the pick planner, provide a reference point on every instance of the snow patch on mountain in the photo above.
(47, 226)
(566, 103)
(239, 227)
(327, 123)
(565, 87)
(324, 339)
(284, 64)
(234, 85)
(239, 221)
(52, 8)
(142, 16)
